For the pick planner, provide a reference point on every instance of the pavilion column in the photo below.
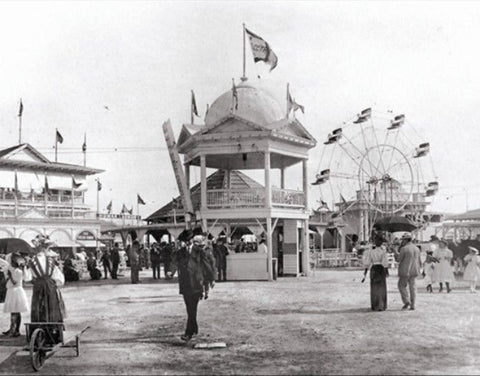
(203, 182)
(361, 234)
(306, 248)
(282, 178)
(187, 174)
(268, 187)
(367, 226)
(305, 181)
(269, 248)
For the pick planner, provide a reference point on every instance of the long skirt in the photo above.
(378, 288)
(47, 301)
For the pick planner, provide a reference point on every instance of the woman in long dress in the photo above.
(376, 260)
(472, 271)
(16, 299)
(443, 270)
(429, 270)
(47, 301)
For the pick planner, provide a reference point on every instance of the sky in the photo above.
(117, 70)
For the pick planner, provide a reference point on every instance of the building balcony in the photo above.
(254, 198)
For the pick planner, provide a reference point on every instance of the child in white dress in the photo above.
(429, 270)
(472, 271)
(16, 299)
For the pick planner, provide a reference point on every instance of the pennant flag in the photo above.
(99, 185)
(75, 185)
(20, 110)
(343, 199)
(292, 105)
(58, 137)
(194, 105)
(124, 209)
(84, 146)
(234, 96)
(261, 50)
(130, 211)
(140, 200)
(109, 207)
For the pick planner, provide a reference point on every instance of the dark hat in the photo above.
(406, 236)
(434, 238)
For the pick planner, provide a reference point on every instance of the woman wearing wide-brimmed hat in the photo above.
(16, 299)
(443, 270)
(472, 271)
(47, 301)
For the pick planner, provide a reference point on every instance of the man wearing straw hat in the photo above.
(408, 269)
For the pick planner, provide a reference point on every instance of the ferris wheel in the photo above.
(377, 159)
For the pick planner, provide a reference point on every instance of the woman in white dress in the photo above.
(443, 270)
(16, 299)
(472, 271)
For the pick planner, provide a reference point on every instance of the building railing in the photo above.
(253, 198)
(228, 198)
(39, 199)
(288, 198)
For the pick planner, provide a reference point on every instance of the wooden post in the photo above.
(305, 181)
(269, 248)
(203, 182)
(187, 174)
(306, 248)
(282, 178)
(268, 187)
(73, 200)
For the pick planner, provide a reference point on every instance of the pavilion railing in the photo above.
(288, 198)
(254, 197)
(235, 198)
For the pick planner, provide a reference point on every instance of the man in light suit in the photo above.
(408, 269)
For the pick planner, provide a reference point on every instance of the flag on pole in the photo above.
(140, 200)
(194, 105)
(130, 211)
(58, 137)
(109, 207)
(20, 110)
(84, 146)
(99, 185)
(234, 96)
(292, 105)
(75, 185)
(261, 50)
(124, 209)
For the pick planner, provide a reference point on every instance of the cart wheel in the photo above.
(37, 350)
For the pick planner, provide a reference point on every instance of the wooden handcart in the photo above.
(45, 338)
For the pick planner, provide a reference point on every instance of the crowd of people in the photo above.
(436, 266)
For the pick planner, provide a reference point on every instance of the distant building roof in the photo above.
(25, 157)
(217, 180)
(468, 215)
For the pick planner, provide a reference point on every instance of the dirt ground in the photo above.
(307, 325)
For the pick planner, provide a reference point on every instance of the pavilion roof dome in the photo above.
(255, 104)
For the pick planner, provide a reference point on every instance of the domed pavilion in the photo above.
(246, 128)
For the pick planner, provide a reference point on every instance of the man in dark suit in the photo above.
(408, 269)
(115, 259)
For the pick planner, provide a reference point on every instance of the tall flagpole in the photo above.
(138, 211)
(191, 107)
(244, 77)
(20, 112)
(56, 142)
(288, 105)
(84, 149)
(98, 200)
